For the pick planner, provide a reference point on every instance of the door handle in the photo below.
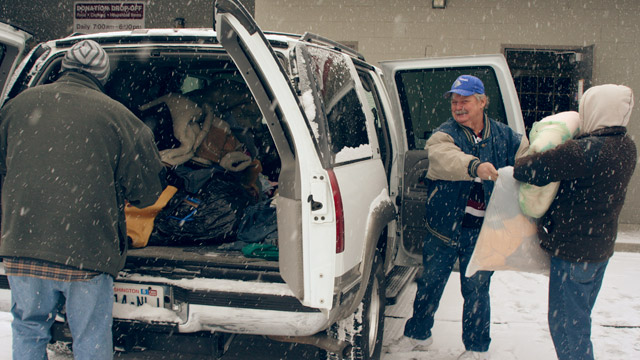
(315, 206)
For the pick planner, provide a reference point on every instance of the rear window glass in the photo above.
(346, 121)
(164, 92)
(424, 106)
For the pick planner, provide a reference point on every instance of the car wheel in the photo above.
(364, 328)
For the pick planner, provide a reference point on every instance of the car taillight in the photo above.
(337, 200)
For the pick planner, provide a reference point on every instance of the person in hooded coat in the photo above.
(70, 158)
(580, 228)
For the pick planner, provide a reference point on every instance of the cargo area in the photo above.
(221, 162)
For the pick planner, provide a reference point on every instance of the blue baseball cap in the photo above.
(466, 85)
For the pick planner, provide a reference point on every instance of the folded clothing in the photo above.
(544, 135)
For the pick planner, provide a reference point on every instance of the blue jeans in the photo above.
(573, 289)
(89, 305)
(439, 259)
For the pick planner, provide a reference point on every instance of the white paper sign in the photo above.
(93, 16)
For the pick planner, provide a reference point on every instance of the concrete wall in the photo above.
(394, 29)
(51, 19)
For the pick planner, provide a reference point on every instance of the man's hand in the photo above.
(486, 171)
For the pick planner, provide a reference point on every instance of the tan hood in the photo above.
(604, 106)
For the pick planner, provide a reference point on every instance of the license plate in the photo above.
(138, 295)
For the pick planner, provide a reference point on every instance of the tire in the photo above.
(364, 328)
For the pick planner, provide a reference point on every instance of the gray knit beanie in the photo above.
(88, 56)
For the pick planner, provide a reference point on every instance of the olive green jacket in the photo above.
(69, 157)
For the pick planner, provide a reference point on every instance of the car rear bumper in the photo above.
(233, 306)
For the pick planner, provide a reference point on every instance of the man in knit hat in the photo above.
(70, 156)
(579, 230)
(89, 57)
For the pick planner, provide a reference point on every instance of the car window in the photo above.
(380, 122)
(346, 122)
(424, 106)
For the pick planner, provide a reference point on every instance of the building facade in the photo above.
(556, 48)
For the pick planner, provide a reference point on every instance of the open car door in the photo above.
(416, 88)
(307, 260)
(12, 47)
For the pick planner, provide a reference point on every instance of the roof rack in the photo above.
(135, 38)
(311, 37)
(270, 32)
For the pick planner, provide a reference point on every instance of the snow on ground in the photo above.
(519, 316)
(519, 327)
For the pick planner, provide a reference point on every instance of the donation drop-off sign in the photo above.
(92, 17)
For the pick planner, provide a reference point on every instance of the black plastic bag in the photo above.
(211, 216)
(259, 224)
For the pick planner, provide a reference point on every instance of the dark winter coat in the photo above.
(70, 156)
(453, 159)
(594, 170)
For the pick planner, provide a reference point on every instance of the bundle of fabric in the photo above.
(140, 221)
(546, 134)
(190, 126)
(508, 238)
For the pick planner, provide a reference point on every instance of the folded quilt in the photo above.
(544, 135)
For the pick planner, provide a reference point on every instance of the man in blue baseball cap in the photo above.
(464, 153)
(468, 102)
(466, 85)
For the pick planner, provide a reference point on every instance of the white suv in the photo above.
(344, 142)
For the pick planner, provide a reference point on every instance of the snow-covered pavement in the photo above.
(519, 316)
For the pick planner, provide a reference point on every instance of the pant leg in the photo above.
(34, 305)
(573, 290)
(89, 313)
(476, 311)
(438, 260)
